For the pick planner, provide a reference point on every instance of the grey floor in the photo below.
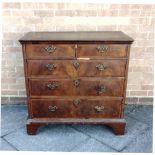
(77, 138)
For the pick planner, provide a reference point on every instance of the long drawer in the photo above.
(76, 108)
(77, 87)
(74, 68)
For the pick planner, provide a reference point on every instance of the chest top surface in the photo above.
(103, 36)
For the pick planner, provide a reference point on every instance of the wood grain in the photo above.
(87, 87)
(66, 108)
(76, 77)
(91, 87)
(39, 87)
(72, 36)
(113, 51)
(118, 125)
(38, 51)
(88, 68)
(62, 69)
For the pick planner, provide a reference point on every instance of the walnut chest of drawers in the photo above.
(76, 77)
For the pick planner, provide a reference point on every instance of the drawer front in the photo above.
(82, 68)
(77, 87)
(76, 108)
(102, 51)
(101, 68)
(49, 51)
(51, 68)
(101, 87)
(47, 87)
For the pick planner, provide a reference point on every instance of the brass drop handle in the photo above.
(76, 83)
(99, 108)
(50, 67)
(102, 49)
(52, 86)
(76, 65)
(50, 49)
(76, 102)
(52, 108)
(101, 67)
(101, 89)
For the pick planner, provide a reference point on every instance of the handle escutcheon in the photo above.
(76, 65)
(50, 49)
(51, 67)
(77, 102)
(101, 89)
(102, 49)
(99, 108)
(52, 86)
(77, 83)
(52, 108)
(101, 67)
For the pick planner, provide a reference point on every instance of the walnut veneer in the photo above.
(76, 77)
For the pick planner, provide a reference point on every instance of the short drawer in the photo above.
(51, 68)
(49, 51)
(102, 51)
(101, 68)
(77, 87)
(75, 108)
